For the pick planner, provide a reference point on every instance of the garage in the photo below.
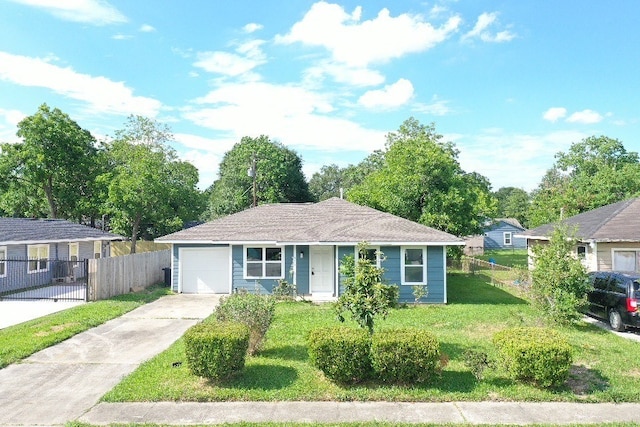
(204, 270)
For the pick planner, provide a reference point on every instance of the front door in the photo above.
(321, 263)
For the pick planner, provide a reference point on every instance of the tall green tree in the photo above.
(54, 165)
(150, 191)
(420, 179)
(513, 202)
(277, 171)
(594, 172)
(328, 182)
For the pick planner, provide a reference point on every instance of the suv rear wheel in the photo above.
(615, 321)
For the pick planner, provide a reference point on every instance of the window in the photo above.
(97, 249)
(581, 252)
(372, 254)
(414, 266)
(507, 238)
(263, 262)
(3, 261)
(38, 258)
(74, 252)
(626, 260)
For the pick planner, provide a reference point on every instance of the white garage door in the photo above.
(204, 270)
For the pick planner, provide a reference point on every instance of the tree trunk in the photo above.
(134, 234)
(53, 209)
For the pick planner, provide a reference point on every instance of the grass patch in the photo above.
(605, 367)
(507, 257)
(22, 340)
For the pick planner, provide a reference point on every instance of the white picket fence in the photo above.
(108, 277)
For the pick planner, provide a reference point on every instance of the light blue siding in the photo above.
(255, 285)
(342, 252)
(494, 237)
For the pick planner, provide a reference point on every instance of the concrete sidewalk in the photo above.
(62, 382)
(187, 413)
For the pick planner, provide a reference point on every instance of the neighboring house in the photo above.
(501, 234)
(608, 237)
(304, 244)
(34, 252)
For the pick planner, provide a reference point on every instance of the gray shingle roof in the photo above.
(510, 221)
(618, 222)
(25, 230)
(331, 221)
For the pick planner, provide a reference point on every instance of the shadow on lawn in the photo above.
(262, 377)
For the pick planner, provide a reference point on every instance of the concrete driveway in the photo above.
(62, 382)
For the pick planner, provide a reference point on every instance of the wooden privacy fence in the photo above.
(108, 277)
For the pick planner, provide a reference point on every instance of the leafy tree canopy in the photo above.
(594, 172)
(420, 179)
(513, 203)
(150, 191)
(51, 172)
(278, 177)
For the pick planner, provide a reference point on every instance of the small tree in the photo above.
(365, 296)
(560, 282)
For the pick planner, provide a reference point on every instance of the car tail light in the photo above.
(632, 305)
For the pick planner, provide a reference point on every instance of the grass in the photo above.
(507, 257)
(22, 340)
(606, 368)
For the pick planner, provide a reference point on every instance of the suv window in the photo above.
(636, 289)
(618, 285)
(600, 282)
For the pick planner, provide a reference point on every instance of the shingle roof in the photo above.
(510, 221)
(331, 221)
(618, 222)
(25, 230)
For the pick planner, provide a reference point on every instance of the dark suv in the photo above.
(614, 296)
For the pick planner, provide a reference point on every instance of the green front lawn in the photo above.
(606, 369)
(22, 340)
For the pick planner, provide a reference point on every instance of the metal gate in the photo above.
(43, 279)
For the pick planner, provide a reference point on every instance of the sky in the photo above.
(510, 83)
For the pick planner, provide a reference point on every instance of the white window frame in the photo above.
(97, 249)
(374, 248)
(3, 261)
(74, 250)
(263, 262)
(42, 254)
(613, 258)
(507, 238)
(403, 280)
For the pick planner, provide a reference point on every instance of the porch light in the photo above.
(301, 254)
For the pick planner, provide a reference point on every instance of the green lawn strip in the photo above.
(506, 257)
(362, 424)
(22, 340)
(606, 366)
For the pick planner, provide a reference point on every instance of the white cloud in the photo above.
(512, 159)
(252, 28)
(12, 117)
(585, 117)
(121, 37)
(9, 120)
(101, 94)
(553, 114)
(249, 55)
(437, 107)
(341, 73)
(360, 43)
(95, 12)
(482, 31)
(392, 96)
(146, 28)
(296, 119)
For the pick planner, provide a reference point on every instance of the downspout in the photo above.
(444, 270)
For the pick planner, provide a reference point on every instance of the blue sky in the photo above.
(511, 83)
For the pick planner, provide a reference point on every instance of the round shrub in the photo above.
(537, 355)
(255, 311)
(341, 353)
(216, 350)
(405, 355)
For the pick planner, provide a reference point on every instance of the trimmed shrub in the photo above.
(341, 353)
(540, 356)
(255, 311)
(216, 350)
(405, 355)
